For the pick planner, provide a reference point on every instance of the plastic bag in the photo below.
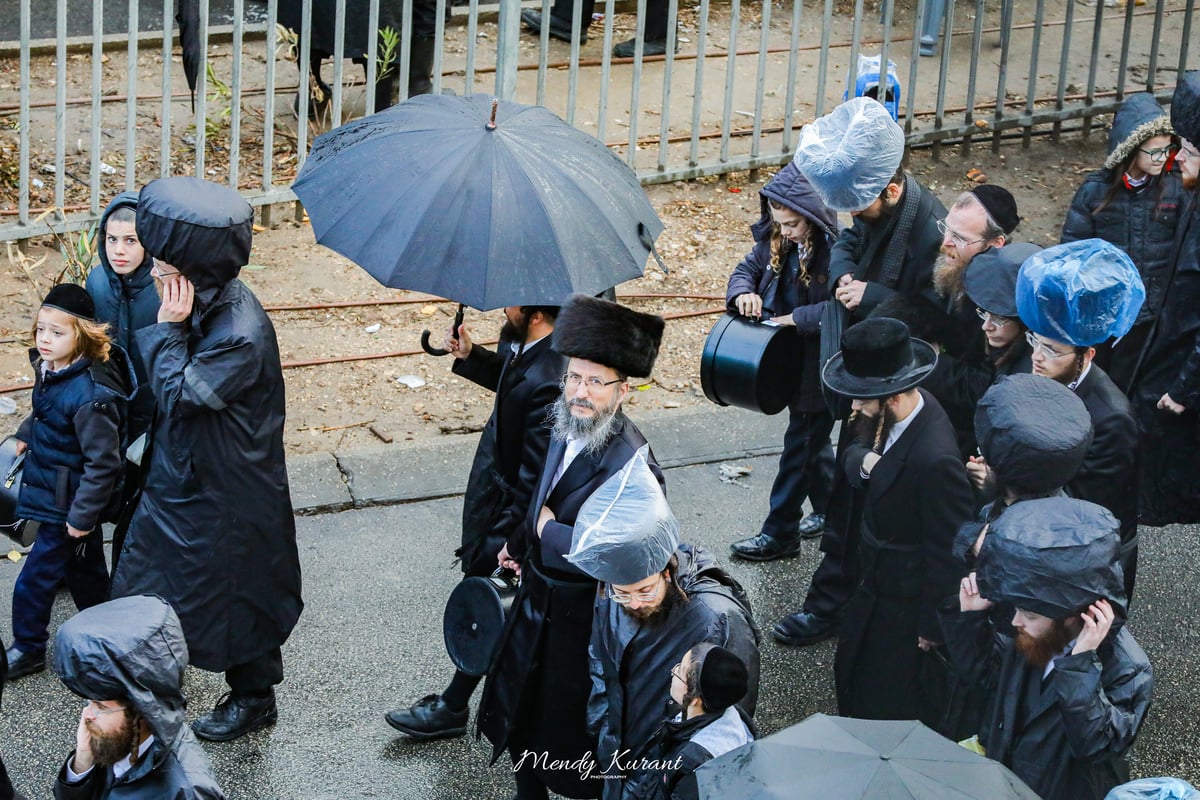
(850, 154)
(1154, 789)
(1080, 292)
(625, 532)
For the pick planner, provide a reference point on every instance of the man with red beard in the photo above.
(127, 658)
(1069, 692)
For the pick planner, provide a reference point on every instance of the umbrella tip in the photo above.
(491, 126)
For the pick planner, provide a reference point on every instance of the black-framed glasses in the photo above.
(675, 672)
(1041, 347)
(1159, 154)
(959, 240)
(157, 271)
(572, 380)
(992, 319)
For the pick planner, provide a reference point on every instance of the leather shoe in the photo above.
(804, 628)
(558, 29)
(429, 718)
(21, 663)
(765, 547)
(235, 716)
(812, 526)
(652, 47)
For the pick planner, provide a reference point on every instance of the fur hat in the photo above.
(1139, 118)
(609, 334)
(72, 299)
(1185, 107)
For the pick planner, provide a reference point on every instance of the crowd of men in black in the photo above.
(978, 519)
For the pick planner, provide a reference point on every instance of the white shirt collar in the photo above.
(124, 765)
(903, 424)
(516, 346)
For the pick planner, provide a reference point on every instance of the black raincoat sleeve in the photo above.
(842, 260)
(184, 385)
(93, 784)
(1186, 388)
(975, 647)
(1102, 714)
(98, 428)
(481, 366)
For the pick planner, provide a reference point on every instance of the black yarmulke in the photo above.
(73, 299)
(1000, 205)
(723, 679)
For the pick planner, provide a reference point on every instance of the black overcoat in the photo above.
(512, 448)
(915, 500)
(536, 694)
(1109, 474)
(214, 533)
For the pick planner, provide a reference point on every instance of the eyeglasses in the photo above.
(625, 598)
(572, 380)
(992, 319)
(100, 710)
(1158, 155)
(1041, 347)
(675, 672)
(158, 272)
(958, 239)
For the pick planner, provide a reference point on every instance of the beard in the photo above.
(1190, 181)
(872, 432)
(948, 279)
(513, 332)
(659, 612)
(1038, 650)
(594, 431)
(109, 748)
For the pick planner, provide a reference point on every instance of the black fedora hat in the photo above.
(991, 278)
(878, 359)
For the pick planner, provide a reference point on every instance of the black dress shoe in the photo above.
(812, 526)
(803, 628)
(765, 547)
(236, 715)
(21, 663)
(429, 718)
(558, 29)
(653, 47)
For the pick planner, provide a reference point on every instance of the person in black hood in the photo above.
(127, 658)
(1069, 692)
(786, 278)
(215, 505)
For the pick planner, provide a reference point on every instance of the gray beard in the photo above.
(594, 432)
(948, 280)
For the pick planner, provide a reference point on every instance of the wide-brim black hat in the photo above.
(608, 333)
(878, 359)
(991, 278)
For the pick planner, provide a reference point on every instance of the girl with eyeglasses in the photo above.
(1133, 202)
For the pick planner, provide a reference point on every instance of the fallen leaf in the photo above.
(976, 175)
(13, 555)
(429, 310)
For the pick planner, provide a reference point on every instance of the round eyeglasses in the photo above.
(1159, 154)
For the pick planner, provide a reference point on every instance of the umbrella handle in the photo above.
(648, 241)
(425, 334)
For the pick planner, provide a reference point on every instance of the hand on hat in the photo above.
(1165, 403)
(1097, 622)
(178, 295)
(969, 598)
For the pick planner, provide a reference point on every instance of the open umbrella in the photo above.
(486, 202)
(837, 758)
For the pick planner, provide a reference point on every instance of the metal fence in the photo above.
(102, 112)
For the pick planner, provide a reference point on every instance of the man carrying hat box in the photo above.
(904, 465)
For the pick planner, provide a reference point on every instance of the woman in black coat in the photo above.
(785, 279)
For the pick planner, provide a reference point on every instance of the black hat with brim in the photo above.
(878, 359)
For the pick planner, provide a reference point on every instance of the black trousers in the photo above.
(656, 16)
(257, 677)
(805, 471)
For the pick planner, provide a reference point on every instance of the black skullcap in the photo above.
(723, 679)
(999, 204)
(73, 299)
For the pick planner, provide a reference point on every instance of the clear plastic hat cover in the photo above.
(851, 153)
(625, 532)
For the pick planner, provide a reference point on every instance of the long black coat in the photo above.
(358, 17)
(536, 693)
(913, 503)
(1109, 474)
(1067, 735)
(631, 661)
(1170, 483)
(512, 449)
(860, 250)
(214, 533)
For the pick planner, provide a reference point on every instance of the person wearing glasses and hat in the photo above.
(658, 598)
(1134, 202)
(534, 703)
(909, 479)
(1073, 297)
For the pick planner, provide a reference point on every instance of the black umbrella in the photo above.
(837, 758)
(488, 203)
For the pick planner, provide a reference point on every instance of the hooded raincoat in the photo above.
(132, 649)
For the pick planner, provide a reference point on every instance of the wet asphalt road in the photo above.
(376, 580)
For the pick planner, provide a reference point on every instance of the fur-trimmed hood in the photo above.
(1139, 118)
(609, 334)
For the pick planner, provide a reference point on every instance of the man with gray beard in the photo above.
(535, 700)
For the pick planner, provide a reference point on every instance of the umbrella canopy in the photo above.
(429, 195)
(837, 758)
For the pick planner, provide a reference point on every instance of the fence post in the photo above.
(508, 39)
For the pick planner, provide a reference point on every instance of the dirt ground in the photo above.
(358, 404)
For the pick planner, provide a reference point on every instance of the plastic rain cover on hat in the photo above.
(1154, 789)
(850, 154)
(1080, 292)
(625, 532)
